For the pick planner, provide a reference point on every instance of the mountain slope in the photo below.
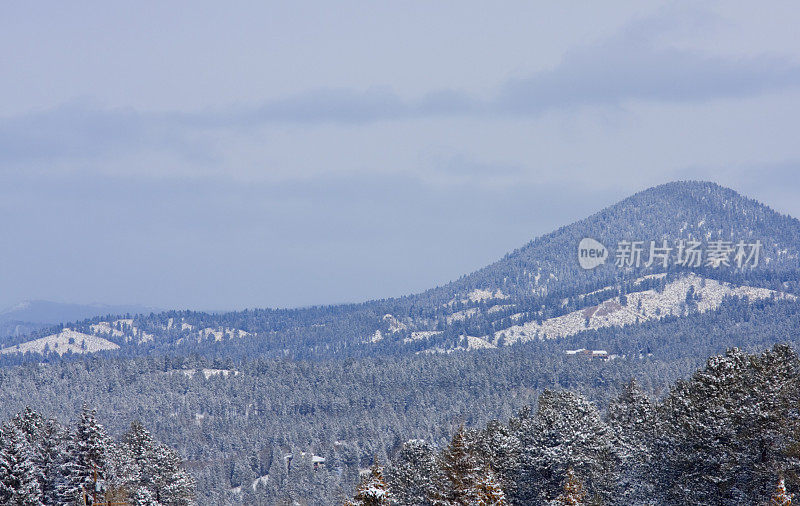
(530, 288)
(679, 210)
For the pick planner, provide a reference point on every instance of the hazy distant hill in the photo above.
(534, 292)
(225, 390)
(28, 316)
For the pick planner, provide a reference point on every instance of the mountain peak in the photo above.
(699, 210)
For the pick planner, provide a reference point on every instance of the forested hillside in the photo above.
(272, 406)
(234, 421)
(730, 434)
(45, 463)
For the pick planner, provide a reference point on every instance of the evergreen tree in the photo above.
(52, 449)
(632, 420)
(157, 468)
(567, 432)
(489, 491)
(729, 429)
(461, 473)
(141, 448)
(573, 494)
(781, 497)
(44, 439)
(278, 476)
(413, 472)
(143, 497)
(19, 485)
(373, 490)
(500, 448)
(88, 469)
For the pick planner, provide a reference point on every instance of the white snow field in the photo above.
(66, 340)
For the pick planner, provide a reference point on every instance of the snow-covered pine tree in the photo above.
(157, 468)
(412, 474)
(460, 473)
(275, 486)
(19, 484)
(490, 493)
(87, 467)
(728, 430)
(50, 460)
(141, 448)
(68, 489)
(781, 497)
(177, 485)
(123, 473)
(573, 494)
(143, 497)
(500, 449)
(632, 420)
(567, 431)
(373, 490)
(43, 441)
(301, 475)
(31, 426)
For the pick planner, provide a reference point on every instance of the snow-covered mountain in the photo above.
(539, 291)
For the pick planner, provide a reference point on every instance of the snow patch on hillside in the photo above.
(211, 372)
(395, 325)
(106, 328)
(421, 334)
(479, 295)
(478, 343)
(641, 306)
(67, 340)
(462, 315)
(219, 333)
(119, 328)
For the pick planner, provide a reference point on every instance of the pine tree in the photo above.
(373, 490)
(87, 469)
(158, 468)
(44, 438)
(489, 491)
(140, 446)
(567, 432)
(278, 476)
(461, 473)
(68, 489)
(728, 430)
(412, 474)
(573, 494)
(632, 419)
(781, 497)
(19, 484)
(143, 497)
(500, 449)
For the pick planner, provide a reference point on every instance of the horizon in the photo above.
(285, 163)
(154, 309)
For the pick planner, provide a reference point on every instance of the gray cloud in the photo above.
(629, 67)
(333, 238)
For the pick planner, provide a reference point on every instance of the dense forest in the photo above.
(538, 281)
(45, 463)
(730, 434)
(235, 420)
(294, 406)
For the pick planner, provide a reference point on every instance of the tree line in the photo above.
(45, 463)
(730, 434)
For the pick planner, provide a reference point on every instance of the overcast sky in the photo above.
(219, 155)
